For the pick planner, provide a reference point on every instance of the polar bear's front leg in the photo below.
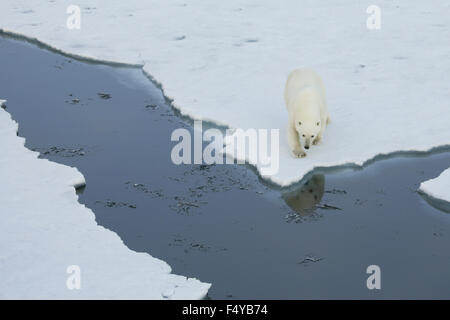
(318, 138)
(324, 123)
(294, 143)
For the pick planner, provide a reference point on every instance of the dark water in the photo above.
(220, 223)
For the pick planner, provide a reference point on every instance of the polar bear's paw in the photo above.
(317, 141)
(299, 153)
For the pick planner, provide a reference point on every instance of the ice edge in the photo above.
(193, 117)
(80, 182)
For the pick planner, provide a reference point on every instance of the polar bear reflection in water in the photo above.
(305, 200)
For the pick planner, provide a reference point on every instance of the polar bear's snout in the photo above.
(306, 140)
(306, 143)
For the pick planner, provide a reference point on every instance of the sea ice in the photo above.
(45, 230)
(438, 188)
(227, 62)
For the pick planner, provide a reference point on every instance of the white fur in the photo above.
(307, 107)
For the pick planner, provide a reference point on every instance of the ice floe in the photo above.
(438, 188)
(45, 233)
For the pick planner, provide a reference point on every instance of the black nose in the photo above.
(306, 147)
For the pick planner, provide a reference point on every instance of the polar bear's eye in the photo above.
(299, 123)
(303, 136)
(312, 136)
(318, 123)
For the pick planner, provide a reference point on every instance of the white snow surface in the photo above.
(227, 62)
(44, 230)
(438, 188)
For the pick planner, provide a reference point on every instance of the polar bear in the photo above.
(307, 108)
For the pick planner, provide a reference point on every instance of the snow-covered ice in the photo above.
(45, 230)
(438, 188)
(227, 62)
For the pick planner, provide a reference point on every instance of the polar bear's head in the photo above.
(308, 125)
(307, 116)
